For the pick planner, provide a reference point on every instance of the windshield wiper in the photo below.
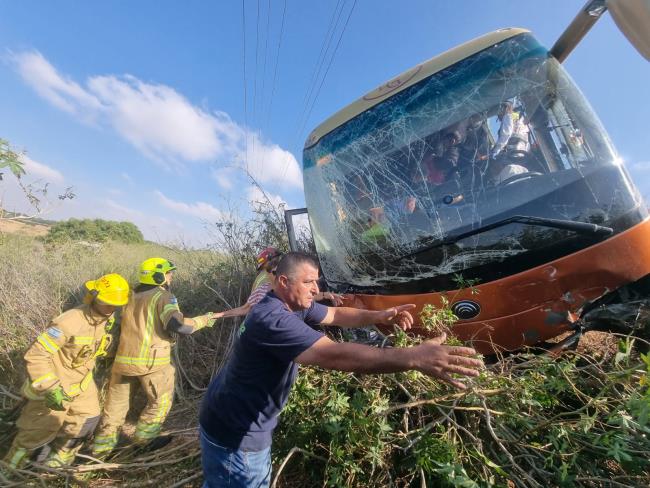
(578, 227)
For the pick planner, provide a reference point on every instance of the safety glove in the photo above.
(55, 397)
(206, 320)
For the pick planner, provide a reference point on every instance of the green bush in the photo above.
(96, 230)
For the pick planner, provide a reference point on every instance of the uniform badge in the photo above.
(54, 333)
(173, 300)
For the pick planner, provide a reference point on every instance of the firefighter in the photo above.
(63, 405)
(150, 324)
(266, 260)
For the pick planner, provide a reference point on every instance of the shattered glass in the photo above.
(388, 186)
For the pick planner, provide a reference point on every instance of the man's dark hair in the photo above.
(291, 261)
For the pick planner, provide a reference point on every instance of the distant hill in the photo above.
(34, 220)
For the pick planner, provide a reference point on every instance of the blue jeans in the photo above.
(232, 467)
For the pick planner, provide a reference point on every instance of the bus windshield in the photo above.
(497, 134)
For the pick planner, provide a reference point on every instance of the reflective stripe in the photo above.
(165, 406)
(41, 379)
(146, 342)
(61, 457)
(18, 456)
(169, 309)
(149, 430)
(47, 343)
(29, 389)
(104, 443)
(143, 361)
(82, 340)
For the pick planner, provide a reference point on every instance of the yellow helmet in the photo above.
(152, 271)
(111, 289)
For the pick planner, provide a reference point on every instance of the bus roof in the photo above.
(410, 77)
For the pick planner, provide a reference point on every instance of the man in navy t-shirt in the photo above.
(241, 407)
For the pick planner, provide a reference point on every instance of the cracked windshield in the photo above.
(504, 132)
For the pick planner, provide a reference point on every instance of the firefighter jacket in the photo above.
(65, 353)
(145, 344)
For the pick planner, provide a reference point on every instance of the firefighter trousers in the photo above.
(159, 388)
(38, 425)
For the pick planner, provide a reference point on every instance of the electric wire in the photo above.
(277, 60)
(320, 60)
(243, 10)
(329, 65)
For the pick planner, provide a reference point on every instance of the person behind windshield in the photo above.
(512, 132)
(500, 170)
(475, 146)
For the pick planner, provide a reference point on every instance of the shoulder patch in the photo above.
(173, 299)
(54, 332)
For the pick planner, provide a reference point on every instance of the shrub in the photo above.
(96, 230)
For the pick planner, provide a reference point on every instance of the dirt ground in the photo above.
(600, 345)
(22, 228)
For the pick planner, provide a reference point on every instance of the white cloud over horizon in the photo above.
(255, 197)
(41, 171)
(201, 210)
(159, 122)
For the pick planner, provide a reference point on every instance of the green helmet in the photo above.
(152, 271)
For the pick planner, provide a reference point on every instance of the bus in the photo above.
(481, 179)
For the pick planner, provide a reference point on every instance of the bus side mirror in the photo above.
(633, 19)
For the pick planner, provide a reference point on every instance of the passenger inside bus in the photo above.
(475, 145)
(513, 132)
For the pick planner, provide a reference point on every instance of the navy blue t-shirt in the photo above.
(242, 404)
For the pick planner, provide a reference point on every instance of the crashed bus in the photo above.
(481, 178)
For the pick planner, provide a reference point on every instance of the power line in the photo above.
(266, 50)
(325, 46)
(277, 59)
(243, 11)
(329, 66)
(320, 86)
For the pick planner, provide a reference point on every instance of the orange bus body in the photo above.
(537, 304)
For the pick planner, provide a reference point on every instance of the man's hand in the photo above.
(398, 316)
(438, 361)
(335, 298)
(55, 397)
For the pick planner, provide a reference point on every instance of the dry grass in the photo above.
(23, 228)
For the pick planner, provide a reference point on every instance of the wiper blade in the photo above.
(578, 227)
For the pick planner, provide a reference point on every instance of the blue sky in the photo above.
(140, 106)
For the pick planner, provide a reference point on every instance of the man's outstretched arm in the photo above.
(430, 358)
(355, 317)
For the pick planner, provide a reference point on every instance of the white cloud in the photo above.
(160, 122)
(48, 83)
(201, 210)
(41, 171)
(269, 163)
(157, 120)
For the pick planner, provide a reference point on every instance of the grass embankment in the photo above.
(529, 421)
(38, 281)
